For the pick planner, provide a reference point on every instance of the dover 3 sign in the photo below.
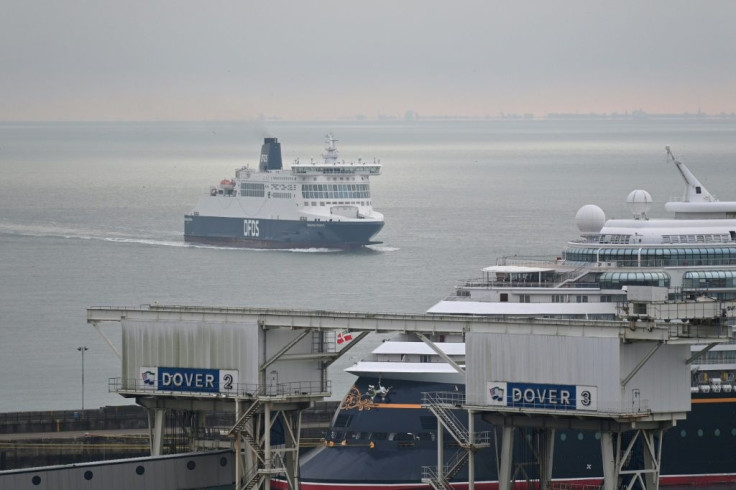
(542, 396)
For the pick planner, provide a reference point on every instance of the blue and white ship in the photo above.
(382, 436)
(324, 204)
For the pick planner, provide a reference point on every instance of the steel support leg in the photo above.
(507, 457)
(610, 470)
(546, 458)
(471, 451)
(157, 443)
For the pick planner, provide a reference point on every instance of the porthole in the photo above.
(717, 432)
(88, 475)
(683, 433)
(700, 432)
(597, 436)
(140, 470)
(733, 432)
(223, 461)
(563, 437)
(580, 436)
(191, 465)
(36, 480)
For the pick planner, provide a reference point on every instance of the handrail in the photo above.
(293, 389)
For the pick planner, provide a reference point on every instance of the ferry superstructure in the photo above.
(381, 437)
(313, 204)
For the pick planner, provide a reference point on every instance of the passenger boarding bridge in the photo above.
(267, 365)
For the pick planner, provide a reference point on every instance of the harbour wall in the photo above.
(47, 438)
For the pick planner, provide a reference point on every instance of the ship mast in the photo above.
(694, 190)
(332, 155)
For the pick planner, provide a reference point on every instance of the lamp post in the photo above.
(82, 349)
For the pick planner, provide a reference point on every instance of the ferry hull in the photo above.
(280, 234)
(388, 441)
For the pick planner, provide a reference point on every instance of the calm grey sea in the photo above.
(92, 214)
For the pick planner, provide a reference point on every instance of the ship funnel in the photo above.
(270, 155)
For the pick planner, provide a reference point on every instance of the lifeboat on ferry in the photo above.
(227, 185)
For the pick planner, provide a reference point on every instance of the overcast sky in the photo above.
(234, 60)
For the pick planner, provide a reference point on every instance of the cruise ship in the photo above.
(314, 204)
(381, 437)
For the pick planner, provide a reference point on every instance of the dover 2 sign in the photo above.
(189, 379)
(542, 396)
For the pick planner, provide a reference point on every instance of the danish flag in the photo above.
(344, 336)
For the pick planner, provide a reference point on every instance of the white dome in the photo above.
(639, 201)
(590, 219)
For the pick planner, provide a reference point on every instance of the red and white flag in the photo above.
(344, 336)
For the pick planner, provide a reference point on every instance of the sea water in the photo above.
(92, 215)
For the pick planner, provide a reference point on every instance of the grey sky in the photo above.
(224, 60)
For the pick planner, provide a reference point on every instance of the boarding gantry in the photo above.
(267, 365)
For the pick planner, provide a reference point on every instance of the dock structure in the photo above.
(267, 365)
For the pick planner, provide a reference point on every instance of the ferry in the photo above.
(314, 204)
(381, 437)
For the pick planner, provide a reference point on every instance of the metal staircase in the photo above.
(452, 468)
(265, 463)
(441, 405)
(245, 417)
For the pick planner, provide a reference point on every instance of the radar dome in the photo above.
(590, 219)
(639, 201)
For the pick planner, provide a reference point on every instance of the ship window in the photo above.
(425, 436)
(251, 189)
(558, 298)
(581, 299)
(504, 297)
(524, 298)
(343, 420)
(404, 436)
(379, 436)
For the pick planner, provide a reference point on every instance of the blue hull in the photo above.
(386, 443)
(269, 233)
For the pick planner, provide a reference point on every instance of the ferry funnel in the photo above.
(270, 155)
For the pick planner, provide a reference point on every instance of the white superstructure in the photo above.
(693, 255)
